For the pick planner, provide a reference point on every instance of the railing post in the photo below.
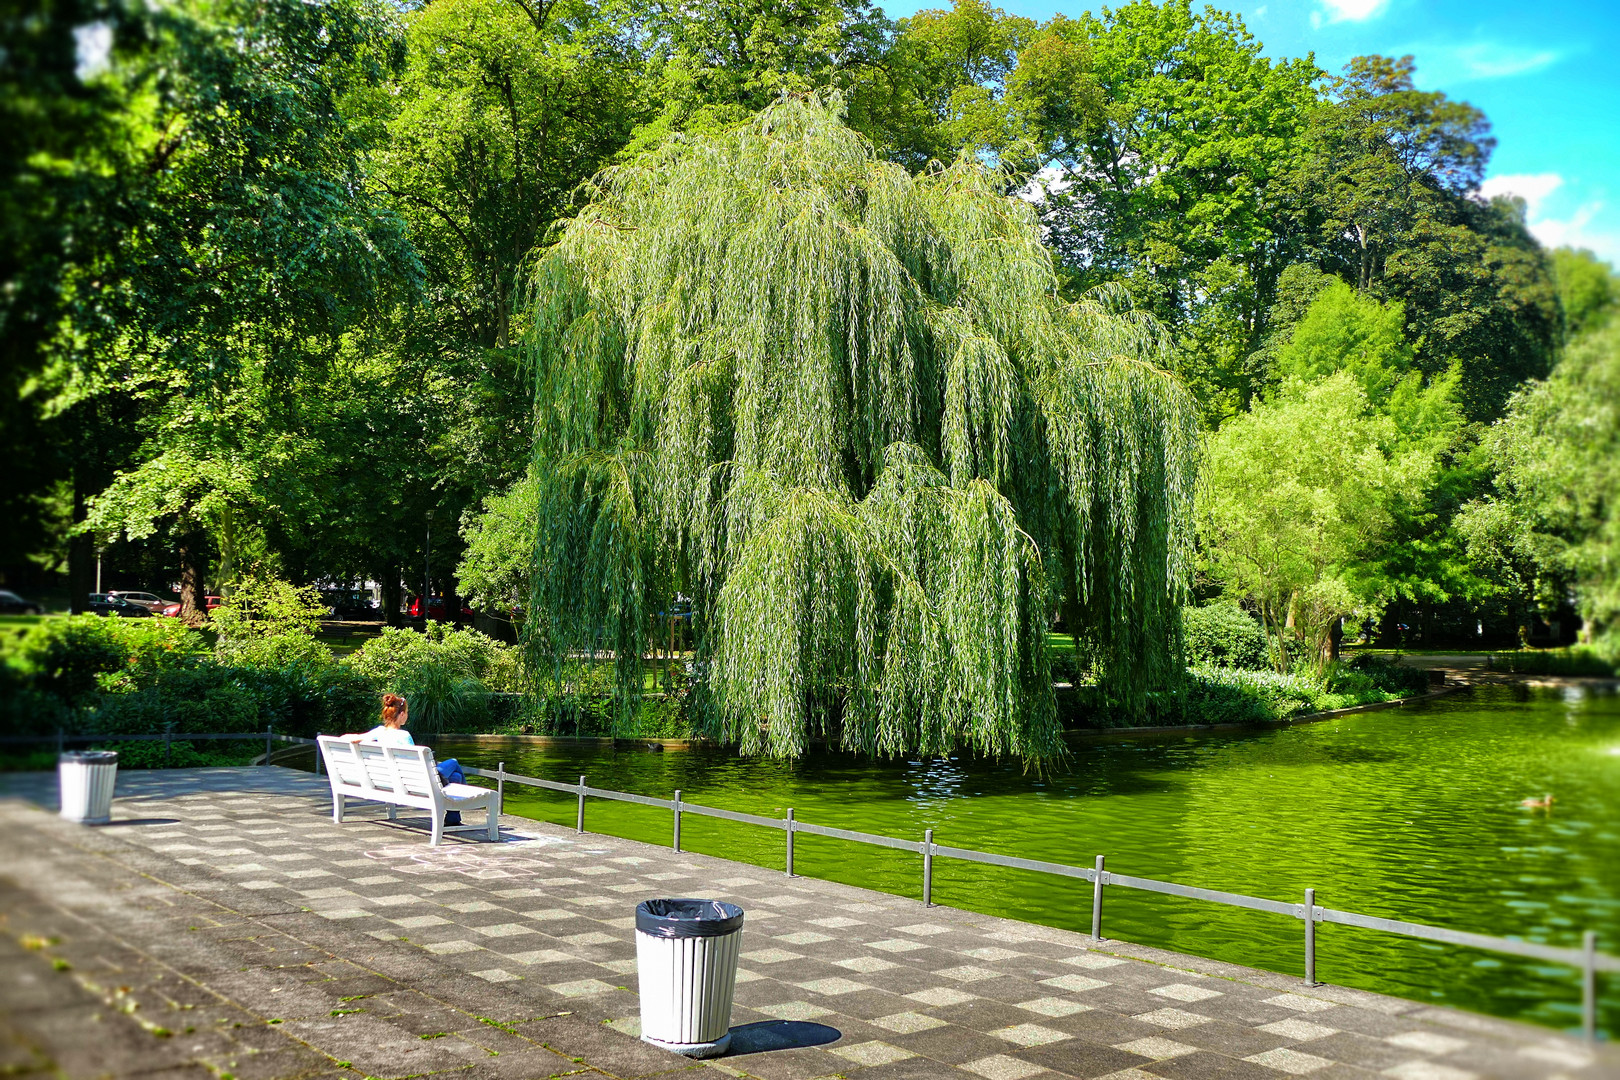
(58, 742)
(1310, 937)
(928, 868)
(1589, 985)
(676, 844)
(268, 729)
(1096, 901)
(500, 788)
(579, 821)
(168, 743)
(790, 842)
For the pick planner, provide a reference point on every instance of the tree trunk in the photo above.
(193, 584)
(389, 581)
(81, 551)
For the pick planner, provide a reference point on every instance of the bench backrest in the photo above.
(397, 774)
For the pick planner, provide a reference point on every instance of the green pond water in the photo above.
(1411, 813)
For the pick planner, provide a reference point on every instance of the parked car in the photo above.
(435, 609)
(209, 602)
(105, 604)
(150, 601)
(12, 604)
(353, 604)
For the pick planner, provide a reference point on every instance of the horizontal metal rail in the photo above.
(1037, 865)
(1213, 896)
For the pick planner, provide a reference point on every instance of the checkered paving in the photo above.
(545, 918)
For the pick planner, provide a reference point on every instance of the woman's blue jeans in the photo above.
(450, 773)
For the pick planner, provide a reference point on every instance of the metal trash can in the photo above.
(85, 783)
(686, 959)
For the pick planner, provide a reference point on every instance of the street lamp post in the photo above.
(427, 569)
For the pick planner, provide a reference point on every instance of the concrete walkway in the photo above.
(222, 926)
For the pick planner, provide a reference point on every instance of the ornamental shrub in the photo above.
(1223, 635)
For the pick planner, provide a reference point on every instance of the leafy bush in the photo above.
(464, 653)
(266, 607)
(1223, 635)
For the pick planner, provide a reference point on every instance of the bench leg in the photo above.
(494, 824)
(337, 808)
(438, 826)
(393, 812)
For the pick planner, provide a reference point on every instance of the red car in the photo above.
(435, 609)
(211, 603)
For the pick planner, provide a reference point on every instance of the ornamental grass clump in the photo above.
(844, 409)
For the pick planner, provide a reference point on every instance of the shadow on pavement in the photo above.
(779, 1035)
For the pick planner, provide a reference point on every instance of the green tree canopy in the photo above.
(843, 408)
(1555, 513)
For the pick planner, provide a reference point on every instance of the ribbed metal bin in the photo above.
(686, 959)
(85, 781)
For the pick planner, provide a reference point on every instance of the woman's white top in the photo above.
(389, 736)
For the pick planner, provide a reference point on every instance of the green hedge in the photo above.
(1223, 635)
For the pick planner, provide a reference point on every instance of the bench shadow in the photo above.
(140, 821)
(779, 1035)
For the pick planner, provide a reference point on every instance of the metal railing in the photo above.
(1586, 959)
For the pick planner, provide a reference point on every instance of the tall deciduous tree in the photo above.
(1554, 516)
(249, 248)
(843, 409)
(1179, 191)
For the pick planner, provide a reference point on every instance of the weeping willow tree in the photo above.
(842, 408)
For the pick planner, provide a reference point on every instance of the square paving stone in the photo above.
(908, 1023)
(1002, 1067)
(950, 1045)
(833, 987)
(1427, 1042)
(1053, 1006)
(1185, 992)
(1030, 1035)
(1156, 1048)
(1301, 1030)
(872, 1053)
(793, 1010)
(1174, 1019)
(941, 996)
(1300, 1003)
(1074, 983)
(896, 945)
(1293, 1062)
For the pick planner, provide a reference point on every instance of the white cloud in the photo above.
(1584, 227)
(1350, 10)
(1533, 188)
(1490, 60)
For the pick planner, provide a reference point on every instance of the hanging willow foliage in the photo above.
(842, 408)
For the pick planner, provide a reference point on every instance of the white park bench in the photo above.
(401, 776)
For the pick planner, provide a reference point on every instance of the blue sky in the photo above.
(1547, 75)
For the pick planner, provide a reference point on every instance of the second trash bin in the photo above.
(686, 958)
(85, 781)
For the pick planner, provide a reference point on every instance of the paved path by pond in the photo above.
(223, 926)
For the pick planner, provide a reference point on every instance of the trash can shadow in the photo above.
(769, 1035)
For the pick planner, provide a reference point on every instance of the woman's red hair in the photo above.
(393, 705)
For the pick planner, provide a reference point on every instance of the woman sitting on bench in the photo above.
(391, 732)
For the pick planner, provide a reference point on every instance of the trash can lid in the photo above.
(89, 757)
(685, 918)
